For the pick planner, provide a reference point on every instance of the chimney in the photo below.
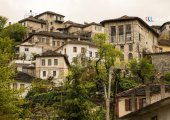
(9, 23)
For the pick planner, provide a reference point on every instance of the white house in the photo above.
(27, 51)
(51, 64)
(74, 48)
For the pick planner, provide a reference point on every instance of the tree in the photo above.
(15, 31)
(8, 97)
(77, 104)
(144, 71)
(3, 21)
(104, 67)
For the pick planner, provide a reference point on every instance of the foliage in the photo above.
(167, 77)
(8, 98)
(77, 104)
(142, 69)
(3, 21)
(15, 31)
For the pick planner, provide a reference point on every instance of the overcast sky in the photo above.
(88, 10)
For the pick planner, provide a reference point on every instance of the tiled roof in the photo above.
(33, 19)
(23, 77)
(129, 18)
(49, 12)
(155, 27)
(164, 42)
(140, 91)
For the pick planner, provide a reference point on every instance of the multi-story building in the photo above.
(46, 21)
(74, 48)
(132, 36)
(52, 65)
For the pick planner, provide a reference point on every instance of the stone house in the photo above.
(46, 21)
(124, 99)
(156, 111)
(22, 83)
(51, 64)
(132, 36)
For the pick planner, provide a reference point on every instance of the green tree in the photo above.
(15, 31)
(3, 21)
(144, 71)
(77, 104)
(104, 67)
(8, 97)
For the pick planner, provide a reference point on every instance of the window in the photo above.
(58, 43)
(121, 31)
(14, 86)
(22, 86)
(122, 58)
(62, 43)
(44, 73)
(65, 51)
(74, 49)
(53, 43)
(128, 104)
(113, 34)
(142, 102)
(130, 47)
(160, 49)
(90, 53)
(49, 62)
(43, 62)
(51, 23)
(55, 61)
(96, 54)
(54, 73)
(154, 118)
(83, 50)
(139, 37)
(128, 29)
(47, 41)
(26, 49)
(122, 47)
(130, 56)
(41, 25)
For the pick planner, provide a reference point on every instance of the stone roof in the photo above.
(33, 19)
(140, 91)
(93, 23)
(49, 12)
(164, 42)
(23, 77)
(50, 53)
(57, 35)
(165, 24)
(130, 18)
(77, 43)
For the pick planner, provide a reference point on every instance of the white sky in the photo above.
(88, 10)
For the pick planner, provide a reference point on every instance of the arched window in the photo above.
(130, 56)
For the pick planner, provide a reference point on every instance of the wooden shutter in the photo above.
(140, 103)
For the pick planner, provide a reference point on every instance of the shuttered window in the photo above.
(128, 105)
